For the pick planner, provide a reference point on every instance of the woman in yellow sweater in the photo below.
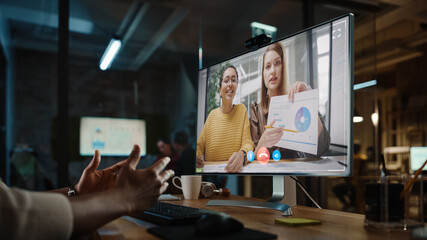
(226, 135)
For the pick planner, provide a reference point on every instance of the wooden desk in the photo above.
(335, 224)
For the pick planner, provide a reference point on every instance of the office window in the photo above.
(323, 71)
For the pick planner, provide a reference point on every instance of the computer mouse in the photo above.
(217, 224)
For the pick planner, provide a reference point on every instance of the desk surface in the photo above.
(335, 224)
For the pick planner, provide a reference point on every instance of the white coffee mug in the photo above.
(190, 185)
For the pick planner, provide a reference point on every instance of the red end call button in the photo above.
(263, 155)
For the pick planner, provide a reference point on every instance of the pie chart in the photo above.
(302, 119)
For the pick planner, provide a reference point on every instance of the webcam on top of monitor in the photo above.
(257, 41)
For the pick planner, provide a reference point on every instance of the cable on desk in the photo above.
(304, 189)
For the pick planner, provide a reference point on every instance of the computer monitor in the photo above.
(418, 157)
(111, 136)
(246, 99)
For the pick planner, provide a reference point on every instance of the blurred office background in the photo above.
(154, 77)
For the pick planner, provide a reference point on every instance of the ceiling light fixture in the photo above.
(110, 53)
(357, 118)
(364, 84)
(263, 26)
(375, 119)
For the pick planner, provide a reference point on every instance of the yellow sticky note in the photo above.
(296, 221)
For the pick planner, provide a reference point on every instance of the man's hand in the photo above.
(134, 190)
(141, 188)
(93, 180)
(200, 161)
(235, 162)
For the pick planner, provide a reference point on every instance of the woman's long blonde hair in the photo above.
(283, 88)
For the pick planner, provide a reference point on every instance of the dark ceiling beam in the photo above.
(395, 2)
(130, 23)
(159, 37)
(390, 18)
(160, 3)
(352, 6)
(421, 17)
(385, 59)
(133, 10)
(416, 40)
(41, 18)
(390, 53)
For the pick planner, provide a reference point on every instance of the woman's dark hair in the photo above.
(223, 71)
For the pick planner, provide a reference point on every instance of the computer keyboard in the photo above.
(171, 214)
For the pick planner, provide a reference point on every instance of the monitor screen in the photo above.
(111, 136)
(285, 108)
(418, 157)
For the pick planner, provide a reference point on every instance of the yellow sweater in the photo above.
(224, 134)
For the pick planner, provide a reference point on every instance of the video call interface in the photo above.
(285, 108)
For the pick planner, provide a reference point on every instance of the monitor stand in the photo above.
(273, 202)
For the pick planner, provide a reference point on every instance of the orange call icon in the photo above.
(263, 155)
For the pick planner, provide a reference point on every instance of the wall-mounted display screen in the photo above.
(111, 136)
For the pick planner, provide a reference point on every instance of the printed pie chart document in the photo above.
(299, 120)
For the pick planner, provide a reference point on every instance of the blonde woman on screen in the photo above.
(226, 135)
(273, 83)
